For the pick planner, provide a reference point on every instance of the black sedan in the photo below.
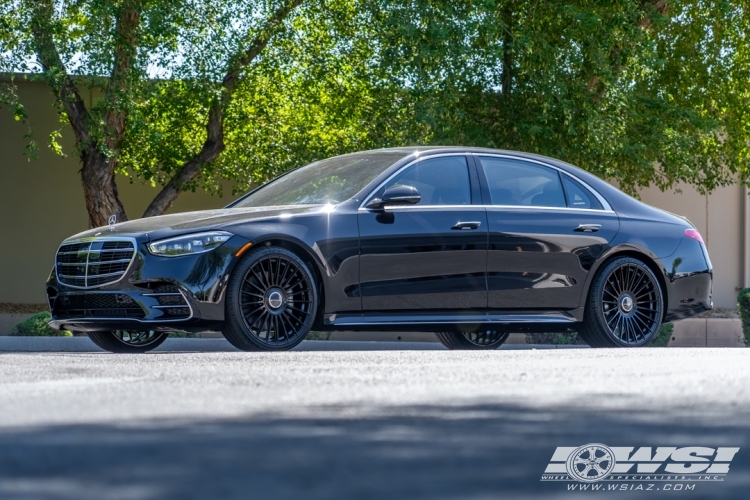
(469, 243)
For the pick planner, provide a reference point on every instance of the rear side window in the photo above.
(579, 196)
(520, 183)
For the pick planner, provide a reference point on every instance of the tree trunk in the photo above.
(100, 189)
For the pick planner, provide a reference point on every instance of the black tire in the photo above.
(623, 283)
(123, 342)
(271, 301)
(476, 341)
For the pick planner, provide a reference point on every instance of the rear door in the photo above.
(546, 229)
(432, 255)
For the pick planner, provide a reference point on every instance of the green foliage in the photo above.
(36, 326)
(663, 336)
(617, 88)
(625, 89)
(743, 303)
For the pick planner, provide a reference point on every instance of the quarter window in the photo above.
(440, 181)
(521, 183)
(579, 196)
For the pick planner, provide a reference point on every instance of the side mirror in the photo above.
(396, 195)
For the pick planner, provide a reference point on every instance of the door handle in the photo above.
(467, 225)
(588, 228)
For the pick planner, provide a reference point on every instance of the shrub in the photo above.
(36, 326)
(743, 303)
(663, 336)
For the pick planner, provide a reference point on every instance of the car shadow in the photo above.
(415, 452)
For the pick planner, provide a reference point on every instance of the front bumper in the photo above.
(183, 293)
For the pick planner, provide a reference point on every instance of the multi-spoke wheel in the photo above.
(121, 341)
(624, 307)
(489, 339)
(271, 301)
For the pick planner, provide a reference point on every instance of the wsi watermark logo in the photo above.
(662, 468)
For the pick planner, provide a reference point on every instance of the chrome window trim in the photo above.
(495, 208)
(409, 208)
(91, 239)
(552, 209)
(605, 204)
(607, 208)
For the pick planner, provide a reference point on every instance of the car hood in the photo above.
(165, 226)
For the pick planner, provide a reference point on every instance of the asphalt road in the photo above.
(318, 424)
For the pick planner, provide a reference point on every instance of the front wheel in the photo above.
(123, 342)
(624, 307)
(486, 340)
(271, 301)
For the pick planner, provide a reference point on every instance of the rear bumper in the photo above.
(689, 281)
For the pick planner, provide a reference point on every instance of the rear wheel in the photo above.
(624, 307)
(124, 342)
(271, 301)
(472, 340)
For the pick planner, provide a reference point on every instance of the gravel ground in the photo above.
(320, 424)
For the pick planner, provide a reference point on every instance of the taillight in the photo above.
(693, 233)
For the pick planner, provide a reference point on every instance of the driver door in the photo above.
(430, 255)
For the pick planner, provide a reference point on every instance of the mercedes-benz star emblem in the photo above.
(112, 221)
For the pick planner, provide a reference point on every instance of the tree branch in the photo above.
(56, 73)
(214, 144)
(124, 57)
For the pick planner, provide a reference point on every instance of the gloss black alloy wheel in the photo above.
(271, 301)
(480, 340)
(124, 342)
(625, 305)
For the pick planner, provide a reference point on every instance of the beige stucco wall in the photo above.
(41, 203)
(719, 218)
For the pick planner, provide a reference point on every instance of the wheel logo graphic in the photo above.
(591, 462)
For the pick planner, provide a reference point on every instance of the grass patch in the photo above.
(663, 336)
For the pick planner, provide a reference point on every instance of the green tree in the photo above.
(191, 91)
(180, 81)
(639, 91)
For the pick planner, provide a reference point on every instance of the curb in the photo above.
(84, 345)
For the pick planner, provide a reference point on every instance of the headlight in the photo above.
(189, 244)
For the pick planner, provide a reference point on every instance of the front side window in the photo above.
(440, 181)
(520, 183)
(328, 181)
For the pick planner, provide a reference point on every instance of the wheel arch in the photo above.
(643, 255)
(310, 259)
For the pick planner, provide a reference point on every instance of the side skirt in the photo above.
(546, 321)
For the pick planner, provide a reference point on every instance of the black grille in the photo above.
(167, 295)
(97, 305)
(93, 263)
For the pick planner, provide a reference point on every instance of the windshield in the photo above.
(327, 181)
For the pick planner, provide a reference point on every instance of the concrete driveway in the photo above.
(325, 423)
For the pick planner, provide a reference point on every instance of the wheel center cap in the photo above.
(626, 303)
(275, 299)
